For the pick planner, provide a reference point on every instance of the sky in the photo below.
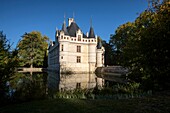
(20, 16)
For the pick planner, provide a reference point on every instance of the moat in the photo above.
(47, 85)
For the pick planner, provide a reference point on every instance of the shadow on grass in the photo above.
(154, 104)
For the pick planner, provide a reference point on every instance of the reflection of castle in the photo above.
(75, 51)
(74, 81)
(83, 81)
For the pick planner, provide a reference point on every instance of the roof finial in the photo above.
(64, 28)
(91, 32)
(91, 21)
(73, 14)
(64, 17)
(56, 32)
(56, 28)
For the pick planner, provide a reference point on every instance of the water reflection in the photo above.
(28, 86)
(41, 85)
(74, 81)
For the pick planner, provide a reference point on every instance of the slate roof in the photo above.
(99, 44)
(64, 28)
(73, 28)
(91, 33)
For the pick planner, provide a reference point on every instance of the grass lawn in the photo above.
(154, 104)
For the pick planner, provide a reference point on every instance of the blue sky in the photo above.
(20, 16)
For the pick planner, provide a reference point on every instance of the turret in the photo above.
(100, 54)
(99, 44)
(91, 32)
(56, 34)
(64, 28)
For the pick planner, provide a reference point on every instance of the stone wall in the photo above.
(112, 70)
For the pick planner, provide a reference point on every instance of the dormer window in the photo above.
(79, 37)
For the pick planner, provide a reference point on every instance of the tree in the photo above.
(147, 48)
(32, 49)
(108, 56)
(8, 63)
(118, 41)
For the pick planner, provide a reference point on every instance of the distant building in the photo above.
(74, 51)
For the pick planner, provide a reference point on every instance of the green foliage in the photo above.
(76, 93)
(118, 91)
(8, 63)
(109, 58)
(119, 41)
(29, 87)
(154, 104)
(32, 49)
(144, 47)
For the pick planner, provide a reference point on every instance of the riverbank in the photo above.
(158, 103)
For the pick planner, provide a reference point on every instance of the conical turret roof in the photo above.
(64, 28)
(99, 44)
(91, 33)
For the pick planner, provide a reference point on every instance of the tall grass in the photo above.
(119, 91)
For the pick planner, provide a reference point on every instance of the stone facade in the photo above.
(74, 51)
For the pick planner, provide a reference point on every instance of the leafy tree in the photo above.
(147, 48)
(32, 49)
(109, 56)
(29, 87)
(8, 63)
(119, 40)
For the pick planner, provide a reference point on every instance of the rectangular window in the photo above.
(79, 49)
(78, 85)
(62, 47)
(79, 37)
(78, 59)
(61, 37)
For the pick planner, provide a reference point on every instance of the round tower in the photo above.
(92, 50)
(99, 55)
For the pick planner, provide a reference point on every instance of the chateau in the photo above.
(74, 51)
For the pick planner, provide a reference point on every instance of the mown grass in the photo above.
(155, 104)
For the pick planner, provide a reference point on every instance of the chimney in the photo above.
(87, 34)
(70, 20)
